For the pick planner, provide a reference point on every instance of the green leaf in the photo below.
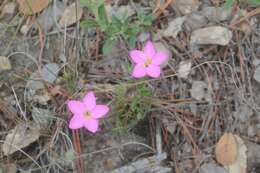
(84, 3)
(229, 3)
(89, 4)
(145, 20)
(114, 27)
(108, 45)
(132, 42)
(102, 15)
(132, 30)
(116, 22)
(89, 23)
(254, 2)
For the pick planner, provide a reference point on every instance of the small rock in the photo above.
(243, 113)
(186, 6)
(212, 168)
(216, 14)
(199, 91)
(184, 69)
(5, 64)
(251, 131)
(24, 29)
(9, 8)
(174, 27)
(211, 35)
(256, 62)
(257, 74)
(195, 21)
(50, 72)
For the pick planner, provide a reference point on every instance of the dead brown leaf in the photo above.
(226, 149)
(239, 166)
(29, 7)
(70, 15)
(21, 136)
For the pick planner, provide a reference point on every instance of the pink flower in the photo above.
(148, 61)
(86, 113)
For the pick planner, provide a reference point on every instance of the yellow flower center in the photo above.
(87, 115)
(147, 62)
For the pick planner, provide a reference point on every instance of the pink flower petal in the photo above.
(137, 56)
(159, 58)
(139, 71)
(76, 122)
(149, 49)
(153, 71)
(89, 100)
(76, 107)
(91, 125)
(99, 111)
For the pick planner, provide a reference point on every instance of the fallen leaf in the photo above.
(212, 168)
(186, 6)
(19, 137)
(4, 64)
(174, 27)
(184, 69)
(50, 72)
(211, 35)
(71, 15)
(240, 165)
(226, 149)
(29, 7)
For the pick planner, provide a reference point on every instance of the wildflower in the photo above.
(86, 113)
(148, 61)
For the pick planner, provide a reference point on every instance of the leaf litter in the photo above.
(208, 87)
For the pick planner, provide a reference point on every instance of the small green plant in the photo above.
(131, 106)
(69, 79)
(230, 3)
(115, 28)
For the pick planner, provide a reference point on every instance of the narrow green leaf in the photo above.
(229, 3)
(89, 23)
(132, 42)
(84, 3)
(108, 45)
(102, 15)
(254, 2)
